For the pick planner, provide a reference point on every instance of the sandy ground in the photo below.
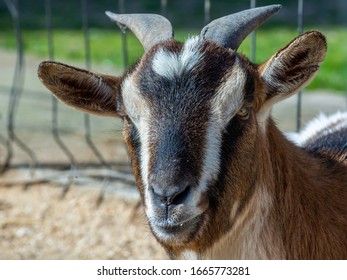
(36, 223)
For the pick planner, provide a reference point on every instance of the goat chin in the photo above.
(179, 234)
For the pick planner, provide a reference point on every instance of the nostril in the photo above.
(180, 197)
(170, 198)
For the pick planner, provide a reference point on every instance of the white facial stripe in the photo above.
(169, 65)
(145, 156)
(134, 103)
(230, 95)
(166, 64)
(224, 106)
(139, 112)
(191, 55)
(211, 160)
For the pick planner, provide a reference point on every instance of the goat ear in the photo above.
(292, 67)
(81, 89)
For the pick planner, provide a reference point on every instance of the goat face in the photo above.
(178, 104)
(191, 113)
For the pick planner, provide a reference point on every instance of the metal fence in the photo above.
(79, 156)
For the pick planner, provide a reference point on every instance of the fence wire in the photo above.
(15, 94)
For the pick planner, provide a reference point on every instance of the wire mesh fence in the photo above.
(57, 145)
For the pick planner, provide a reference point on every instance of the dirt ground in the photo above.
(37, 223)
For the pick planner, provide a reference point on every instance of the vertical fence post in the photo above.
(15, 94)
(48, 12)
(87, 125)
(207, 12)
(163, 7)
(124, 37)
(55, 127)
(253, 4)
(85, 25)
(11, 104)
(300, 30)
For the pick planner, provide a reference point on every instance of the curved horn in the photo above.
(150, 29)
(229, 31)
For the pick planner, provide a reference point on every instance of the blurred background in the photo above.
(65, 179)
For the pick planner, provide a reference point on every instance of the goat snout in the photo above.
(173, 208)
(170, 196)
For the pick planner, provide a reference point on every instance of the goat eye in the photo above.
(243, 113)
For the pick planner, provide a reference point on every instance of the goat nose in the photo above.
(173, 195)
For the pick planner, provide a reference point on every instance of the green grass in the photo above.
(106, 48)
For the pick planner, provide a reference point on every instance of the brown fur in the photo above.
(311, 195)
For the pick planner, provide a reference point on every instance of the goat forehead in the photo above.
(184, 74)
(168, 63)
(180, 82)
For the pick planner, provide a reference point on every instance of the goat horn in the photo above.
(150, 29)
(229, 31)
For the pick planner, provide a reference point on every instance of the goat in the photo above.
(217, 179)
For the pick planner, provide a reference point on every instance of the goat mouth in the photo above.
(177, 232)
